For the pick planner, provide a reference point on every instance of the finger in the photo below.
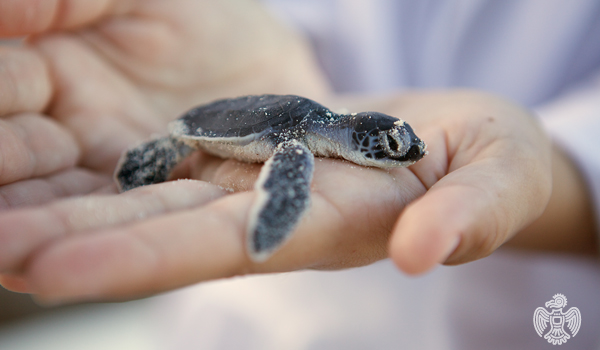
(24, 230)
(32, 145)
(207, 243)
(151, 256)
(40, 191)
(14, 283)
(25, 84)
(26, 17)
(466, 216)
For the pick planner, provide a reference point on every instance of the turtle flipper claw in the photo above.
(283, 197)
(150, 162)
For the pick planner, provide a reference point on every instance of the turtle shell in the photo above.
(248, 115)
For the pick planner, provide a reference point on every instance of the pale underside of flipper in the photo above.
(150, 162)
(283, 189)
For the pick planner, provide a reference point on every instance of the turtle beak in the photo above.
(417, 148)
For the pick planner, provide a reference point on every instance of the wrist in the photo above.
(567, 224)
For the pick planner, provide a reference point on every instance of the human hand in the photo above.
(486, 177)
(97, 77)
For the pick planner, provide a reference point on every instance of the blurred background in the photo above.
(372, 307)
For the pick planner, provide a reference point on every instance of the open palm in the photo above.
(114, 83)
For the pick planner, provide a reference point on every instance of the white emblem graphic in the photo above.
(557, 318)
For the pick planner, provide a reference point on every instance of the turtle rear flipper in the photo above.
(283, 197)
(150, 162)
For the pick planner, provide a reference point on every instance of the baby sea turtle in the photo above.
(285, 131)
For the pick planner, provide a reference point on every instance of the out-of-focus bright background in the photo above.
(373, 307)
(94, 326)
(285, 311)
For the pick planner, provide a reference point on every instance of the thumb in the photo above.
(465, 216)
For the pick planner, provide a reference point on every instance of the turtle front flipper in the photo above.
(150, 162)
(283, 189)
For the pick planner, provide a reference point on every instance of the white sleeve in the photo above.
(573, 122)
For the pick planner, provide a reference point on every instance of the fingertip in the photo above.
(14, 283)
(419, 251)
(428, 232)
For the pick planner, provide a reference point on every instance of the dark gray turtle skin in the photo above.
(285, 132)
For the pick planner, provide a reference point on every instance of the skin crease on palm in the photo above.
(123, 69)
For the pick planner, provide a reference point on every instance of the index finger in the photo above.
(26, 17)
(208, 242)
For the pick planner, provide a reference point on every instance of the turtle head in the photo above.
(384, 141)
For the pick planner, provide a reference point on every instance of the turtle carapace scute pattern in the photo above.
(285, 132)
